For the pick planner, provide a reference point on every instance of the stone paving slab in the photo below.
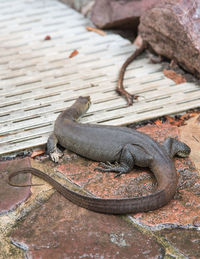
(11, 197)
(187, 241)
(40, 223)
(68, 231)
(49, 226)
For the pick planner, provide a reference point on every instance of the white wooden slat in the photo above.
(38, 80)
(37, 119)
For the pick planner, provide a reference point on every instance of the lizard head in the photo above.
(183, 150)
(175, 147)
(81, 105)
(85, 102)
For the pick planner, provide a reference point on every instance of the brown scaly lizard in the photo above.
(110, 144)
(120, 87)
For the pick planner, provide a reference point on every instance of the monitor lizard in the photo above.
(120, 86)
(109, 144)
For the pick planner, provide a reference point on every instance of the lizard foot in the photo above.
(108, 167)
(56, 155)
(105, 166)
(130, 98)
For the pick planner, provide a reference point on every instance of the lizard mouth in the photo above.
(89, 102)
(185, 152)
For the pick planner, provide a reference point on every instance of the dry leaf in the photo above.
(177, 78)
(170, 119)
(73, 54)
(175, 122)
(48, 37)
(100, 32)
(37, 153)
(158, 122)
(185, 116)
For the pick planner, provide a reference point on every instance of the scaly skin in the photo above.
(120, 87)
(113, 144)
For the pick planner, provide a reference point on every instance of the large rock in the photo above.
(82, 6)
(172, 29)
(108, 14)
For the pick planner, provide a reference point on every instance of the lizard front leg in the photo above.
(54, 152)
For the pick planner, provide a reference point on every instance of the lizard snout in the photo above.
(184, 150)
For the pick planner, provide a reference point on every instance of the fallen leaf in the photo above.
(100, 32)
(170, 119)
(177, 78)
(73, 54)
(185, 116)
(48, 37)
(37, 153)
(180, 121)
(173, 121)
(193, 114)
(158, 122)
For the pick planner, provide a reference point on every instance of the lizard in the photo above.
(109, 144)
(120, 87)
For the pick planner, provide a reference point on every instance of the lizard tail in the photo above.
(108, 206)
(120, 87)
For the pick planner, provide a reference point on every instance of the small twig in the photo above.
(100, 32)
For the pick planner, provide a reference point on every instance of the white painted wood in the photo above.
(38, 79)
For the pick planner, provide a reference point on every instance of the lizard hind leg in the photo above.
(54, 152)
(125, 165)
(130, 155)
(108, 167)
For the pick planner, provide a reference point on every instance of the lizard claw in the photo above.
(130, 98)
(108, 167)
(107, 164)
(56, 155)
(119, 174)
(105, 167)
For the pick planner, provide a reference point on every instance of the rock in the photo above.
(186, 241)
(82, 6)
(108, 14)
(11, 197)
(172, 29)
(60, 229)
